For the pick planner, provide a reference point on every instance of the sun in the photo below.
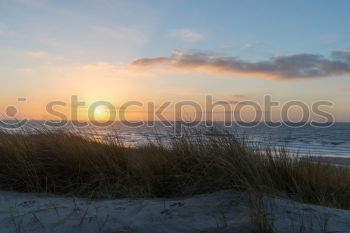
(102, 113)
(98, 111)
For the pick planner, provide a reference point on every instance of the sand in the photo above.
(218, 212)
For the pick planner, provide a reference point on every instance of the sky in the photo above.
(157, 51)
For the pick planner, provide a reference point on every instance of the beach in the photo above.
(173, 116)
(65, 182)
(220, 212)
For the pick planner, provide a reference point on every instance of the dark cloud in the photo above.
(341, 54)
(297, 66)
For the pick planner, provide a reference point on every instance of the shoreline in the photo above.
(343, 161)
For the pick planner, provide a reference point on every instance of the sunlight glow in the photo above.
(98, 111)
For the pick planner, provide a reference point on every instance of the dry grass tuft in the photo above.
(68, 164)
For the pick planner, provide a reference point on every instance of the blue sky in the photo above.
(47, 47)
(271, 27)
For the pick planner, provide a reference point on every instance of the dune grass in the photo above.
(67, 164)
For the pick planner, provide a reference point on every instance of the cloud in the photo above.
(186, 35)
(37, 54)
(238, 96)
(99, 66)
(252, 45)
(341, 54)
(103, 68)
(232, 99)
(44, 56)
(281, 67)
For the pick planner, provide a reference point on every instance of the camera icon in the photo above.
(10, 121)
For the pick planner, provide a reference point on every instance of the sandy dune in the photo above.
(217, 212)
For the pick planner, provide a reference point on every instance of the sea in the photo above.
(331, 141)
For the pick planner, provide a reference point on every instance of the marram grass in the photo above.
(67, 164)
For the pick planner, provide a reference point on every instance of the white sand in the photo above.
(210, 213)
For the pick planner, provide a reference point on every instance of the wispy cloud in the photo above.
(104, 68)
(43, 56)
(37, 54)
(99, 66)
(186, 35)
(252, 45)
(282, 67)
(231, 99)
(238, 96)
